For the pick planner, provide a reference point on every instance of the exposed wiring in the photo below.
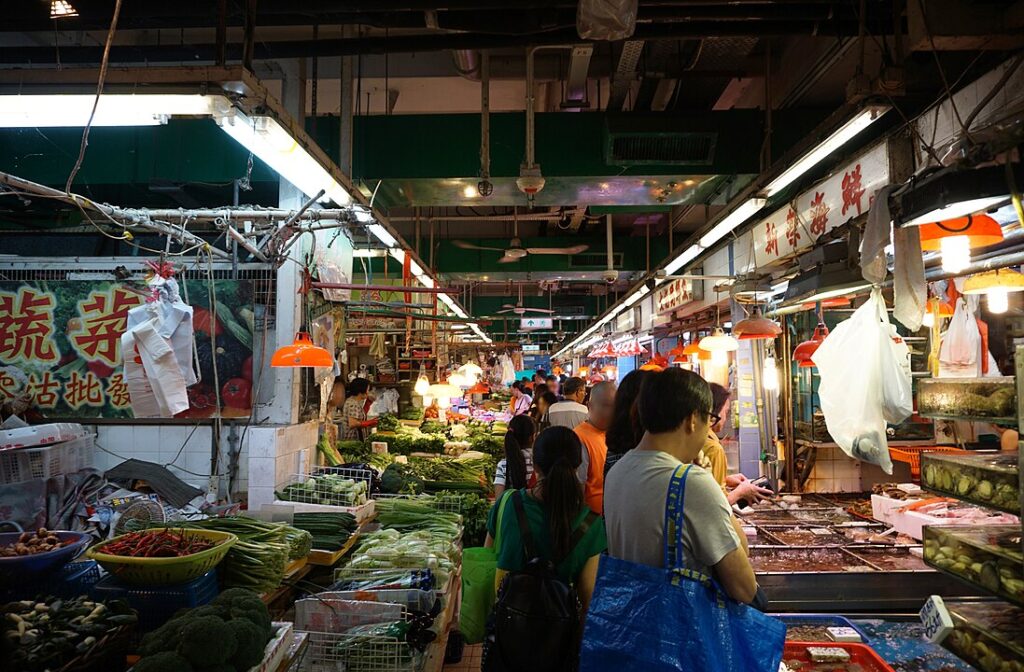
(942, 72)
(95, 104)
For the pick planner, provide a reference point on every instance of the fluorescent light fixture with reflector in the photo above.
(425, 280)
(731, 221)
(382, 234)
(275, 146)
(955, 192)
(636, 296)
(688, 255)
(837, 139)
(114, 109)
(363, 253)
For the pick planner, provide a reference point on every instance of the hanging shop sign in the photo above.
(531, 323)
(845, 195)
(377, 300)
(60, 348)
(673, 295)
(625, 321)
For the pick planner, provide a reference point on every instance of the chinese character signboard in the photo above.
(838, 199)
(60, 348)
(531, 323)
(673, 295)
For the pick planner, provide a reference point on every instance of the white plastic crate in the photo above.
(26, 464)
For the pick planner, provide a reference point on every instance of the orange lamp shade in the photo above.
(945, 309)
(704, 355)
(756, 327)
(582, 371)
(479, 388)
(693, 349)
(981, 230)
(833, 302)
(677, 352)
(302, 352)
(651, 366)
(803, 352)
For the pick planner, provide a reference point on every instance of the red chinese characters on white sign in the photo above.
(845, 195)
(673, 295)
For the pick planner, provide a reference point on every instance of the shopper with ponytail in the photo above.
(515, 470)
(563, 528)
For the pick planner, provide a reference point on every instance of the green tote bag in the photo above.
(479, 566)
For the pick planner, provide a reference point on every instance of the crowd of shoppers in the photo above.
(616, 456)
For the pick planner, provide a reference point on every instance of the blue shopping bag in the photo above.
(648, 619)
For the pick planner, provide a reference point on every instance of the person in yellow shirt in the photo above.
(712, 455)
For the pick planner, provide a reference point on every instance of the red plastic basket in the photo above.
(860, 654)
(912, 456)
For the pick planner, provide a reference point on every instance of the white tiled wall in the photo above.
(834, 471)
(268, 454)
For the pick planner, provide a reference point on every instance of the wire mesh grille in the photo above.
(353, 636)
(329, 486)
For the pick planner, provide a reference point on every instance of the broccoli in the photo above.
(232, 594)
(207, 640)
(256, 614)
(251, 640)
(164, 638)
(222, 667)
(164, 661)
(217, 610)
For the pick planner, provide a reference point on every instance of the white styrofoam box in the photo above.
(911, 523)
(41, 435)
(262, 472)
(883, 508)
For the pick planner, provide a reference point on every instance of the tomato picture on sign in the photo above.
(60, 349)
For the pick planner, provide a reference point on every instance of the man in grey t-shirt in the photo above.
(570, 412)
(674, 410)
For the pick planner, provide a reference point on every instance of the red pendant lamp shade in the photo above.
(981, 230)
(693, 349)
(756, 327)
(803, 352)
(302, 352)
(677, 352)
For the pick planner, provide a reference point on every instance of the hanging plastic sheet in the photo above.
(610, 20)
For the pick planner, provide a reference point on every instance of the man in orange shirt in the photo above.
(592, 432)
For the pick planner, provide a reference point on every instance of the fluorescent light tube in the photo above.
(415, 268)
(368, 254)
(686, 257)
(840, 137)
(636, 296)
(732, 220)
(275, 146)
(425, 280)
(382, 234)
(72, 110)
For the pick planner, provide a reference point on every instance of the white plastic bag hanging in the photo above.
(961, 346)
(863, 384)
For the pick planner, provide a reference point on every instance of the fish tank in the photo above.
(987, 478)
(994, 399)
(985, 555)
(988, 635)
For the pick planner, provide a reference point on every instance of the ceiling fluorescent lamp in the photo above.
(363, 253)
(825, 282)
(837, 139)
(733, 220)
(73, 110)
(955, 192)
(398, 254)
(636, 296)
(415, 268)
(686, 257)
(276, 147)
(425, 280)
(382, 234)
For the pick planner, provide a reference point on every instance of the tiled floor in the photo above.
(470, 660)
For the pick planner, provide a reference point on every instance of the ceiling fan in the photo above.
(519, 309)
(515, 251)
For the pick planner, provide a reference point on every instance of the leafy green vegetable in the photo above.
(387, 423)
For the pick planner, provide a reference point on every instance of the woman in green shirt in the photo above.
(555, 510)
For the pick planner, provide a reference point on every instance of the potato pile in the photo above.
(30, 543)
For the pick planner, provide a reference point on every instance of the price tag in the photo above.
(401, 459)
(379, 447)
(936, 619)
(821, 531)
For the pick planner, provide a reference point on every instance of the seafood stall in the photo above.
(812, 554)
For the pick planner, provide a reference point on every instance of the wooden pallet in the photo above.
(435, 654)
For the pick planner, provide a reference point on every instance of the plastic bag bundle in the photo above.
(961, 347)
(865, 382)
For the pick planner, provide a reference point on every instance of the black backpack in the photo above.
(535, 625)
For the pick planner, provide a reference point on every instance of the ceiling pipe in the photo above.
(484, 187)
(467, 64)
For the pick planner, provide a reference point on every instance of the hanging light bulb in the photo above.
(770, 376)
(998, 300)
(956, 253)
(422, 384)
(928, 320)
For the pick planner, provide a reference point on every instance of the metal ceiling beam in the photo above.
(268, 50)
(625, 74)
(576, 82)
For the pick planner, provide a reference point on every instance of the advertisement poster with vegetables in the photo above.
(60, 348)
